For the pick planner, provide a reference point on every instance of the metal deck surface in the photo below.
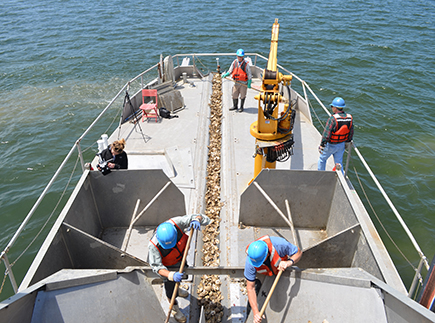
(179, 147)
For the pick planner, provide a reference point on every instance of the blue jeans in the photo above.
(337, 150)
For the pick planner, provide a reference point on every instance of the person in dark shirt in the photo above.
(115, 155)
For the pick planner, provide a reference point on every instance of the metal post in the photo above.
(194, 66)
(416, 278)
(150, 203)
(267, 197)
(287, 206)
(10, 273)
(305, 93)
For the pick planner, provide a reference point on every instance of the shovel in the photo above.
(183, 262)
(272, 289)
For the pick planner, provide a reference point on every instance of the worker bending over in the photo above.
(267, 256)
(166, 249)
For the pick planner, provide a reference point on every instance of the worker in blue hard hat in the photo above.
(241, 74)
(165, 252)
(338, 131)
(266, 256)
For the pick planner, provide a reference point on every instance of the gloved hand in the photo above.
(196, 225)
(178, 276)
(249, 84)
(225, 75)
(321, 149)
(175, 276)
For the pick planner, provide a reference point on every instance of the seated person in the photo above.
(115, 155)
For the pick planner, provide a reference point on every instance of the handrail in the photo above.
(393, 208)
(3, 255)
(423, 259)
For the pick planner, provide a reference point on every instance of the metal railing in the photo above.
(140, 78)
(352, 146)
(3, 255)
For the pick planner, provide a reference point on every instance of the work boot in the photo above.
(178, 315)
(235, 104)
(183, 293)
(242, 103)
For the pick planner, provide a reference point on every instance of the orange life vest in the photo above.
(342, 130)
(172, 256)
(239, 71)
(274, 258)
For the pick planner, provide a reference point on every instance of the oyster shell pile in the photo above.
(208, 291)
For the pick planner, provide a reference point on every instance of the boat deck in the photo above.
(179, 147)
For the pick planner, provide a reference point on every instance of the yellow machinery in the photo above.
(273, 129)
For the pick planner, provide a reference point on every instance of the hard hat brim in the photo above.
(257, 264)
(169, 245)
(166, 235)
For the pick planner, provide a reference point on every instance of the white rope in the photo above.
(3, 282)
(383, 227)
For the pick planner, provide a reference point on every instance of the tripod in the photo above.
(135, 117)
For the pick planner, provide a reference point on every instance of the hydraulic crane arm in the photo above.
(273, 127)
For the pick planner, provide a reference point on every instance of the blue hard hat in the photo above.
(338, 103)
(257, 252)
(240, 52)
(167, 235)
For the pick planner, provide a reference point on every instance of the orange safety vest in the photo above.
(274, 257)
(172, 256)
(342, 130)
(239, 71)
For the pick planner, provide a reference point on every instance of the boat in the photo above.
(204, 158)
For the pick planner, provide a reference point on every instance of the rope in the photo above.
(385, 230)
(314, 111)
(3, 282)
(107, 129)
(205, 67)
(51, 215)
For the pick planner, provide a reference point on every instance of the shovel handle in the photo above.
(263, 309)
(183, 262)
